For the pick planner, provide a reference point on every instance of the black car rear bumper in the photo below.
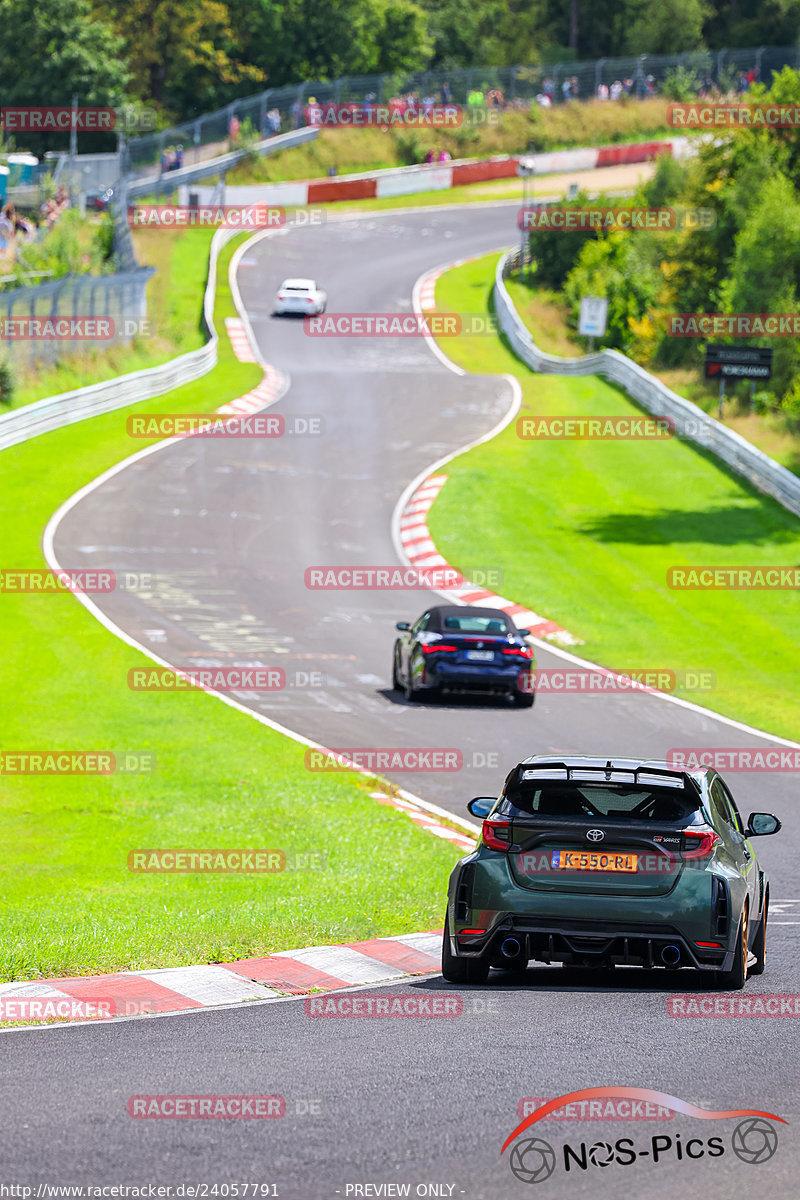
(595, 944)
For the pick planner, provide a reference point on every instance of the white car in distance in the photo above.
(300, 296)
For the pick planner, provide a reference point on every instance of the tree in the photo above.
(55, 48)
(623, 268)
(669, 27)
(181, 52)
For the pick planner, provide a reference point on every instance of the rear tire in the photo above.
(396, 684)
(523, 699)
(734, 980)
(411, 693)
(461, 970)
(760, 943)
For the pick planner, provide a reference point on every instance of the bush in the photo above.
(679, 84)
(7, 383)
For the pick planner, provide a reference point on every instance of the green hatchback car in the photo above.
(596, 863)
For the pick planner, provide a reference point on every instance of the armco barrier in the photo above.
(615, 156)
(690, 422)
(434, 177)
(340, 189)
(498, 168)
(43, 416)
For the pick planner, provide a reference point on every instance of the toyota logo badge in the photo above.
(595, 835)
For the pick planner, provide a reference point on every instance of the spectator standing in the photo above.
(566, 90)
(616, 90)
(297, 113)
(312, 114)
(447, 95)
(234, 129)
(602, 91)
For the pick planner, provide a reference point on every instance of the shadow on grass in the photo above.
(728, 525)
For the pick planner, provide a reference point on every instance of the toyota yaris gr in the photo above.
(599, 863)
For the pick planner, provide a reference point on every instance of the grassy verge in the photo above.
(180, 258)
(585, 532)
(546, 315)
(592, 123)
(68, 904)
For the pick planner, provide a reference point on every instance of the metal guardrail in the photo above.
(763, 472)
(169, 180)
(43, 416)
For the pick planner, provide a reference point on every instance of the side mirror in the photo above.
(523, 633)
(481, 806)
(760, 824)
(402, 626)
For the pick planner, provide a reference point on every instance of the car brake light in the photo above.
(702, 842)
(496, 834)
(520, 651)
(435, 647)
(471, 933)
(711, 945)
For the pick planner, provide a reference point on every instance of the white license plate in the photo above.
(480, 655)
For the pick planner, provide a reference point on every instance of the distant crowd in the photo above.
(16, 229)
(311, 112)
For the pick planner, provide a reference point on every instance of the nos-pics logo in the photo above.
(754, 1139)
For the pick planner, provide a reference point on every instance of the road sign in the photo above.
(738, 362)
(593, 316)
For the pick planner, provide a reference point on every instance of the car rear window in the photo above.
(472, 624)
(611, 803)
(297, 289)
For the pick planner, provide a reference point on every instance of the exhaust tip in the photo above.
(510, 947)
(671, 956)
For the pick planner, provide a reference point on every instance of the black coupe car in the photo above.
(462, 648)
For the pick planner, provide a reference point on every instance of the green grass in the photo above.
(180, 258)
(68, 904)
(585, 532)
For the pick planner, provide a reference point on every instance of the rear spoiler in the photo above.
(555, 770)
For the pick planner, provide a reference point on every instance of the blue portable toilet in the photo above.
(21, 167)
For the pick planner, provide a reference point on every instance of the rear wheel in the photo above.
(523, 699)
(409, 691)
(760, 943)
(734, 980)
(461, 970)
(396, 684)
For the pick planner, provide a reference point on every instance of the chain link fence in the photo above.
(209, 135)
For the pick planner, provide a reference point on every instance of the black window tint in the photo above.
(734, 815)
(595, 801)
(720, 804)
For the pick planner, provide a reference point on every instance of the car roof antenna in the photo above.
(608, 768)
